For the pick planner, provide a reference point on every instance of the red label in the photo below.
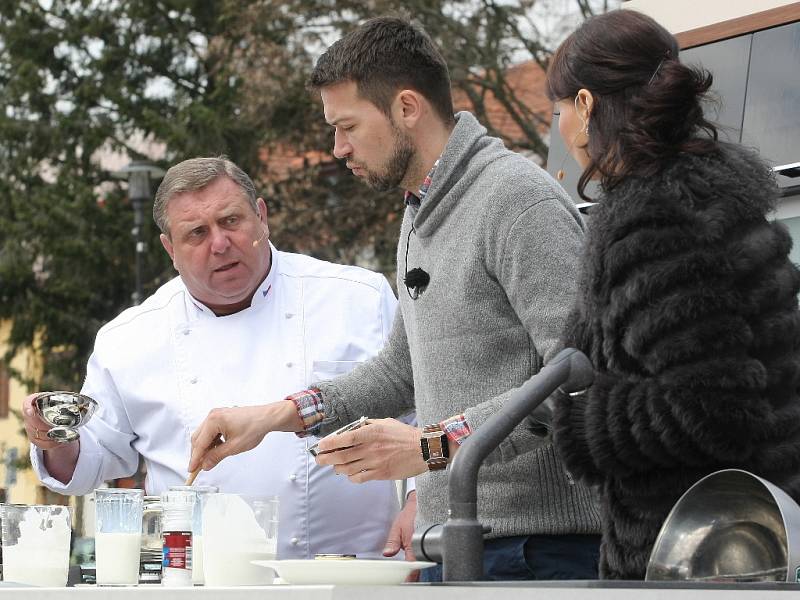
(178, 549)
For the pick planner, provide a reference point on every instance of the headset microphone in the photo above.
(261, 239)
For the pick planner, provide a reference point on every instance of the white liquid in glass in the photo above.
(197, 560)
(34, 567)
(117, 557)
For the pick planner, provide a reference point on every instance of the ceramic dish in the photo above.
(343, 572)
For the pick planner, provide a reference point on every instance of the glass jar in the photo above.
(36, 542)
(150, 557)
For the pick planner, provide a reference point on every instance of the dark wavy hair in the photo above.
(647, 104)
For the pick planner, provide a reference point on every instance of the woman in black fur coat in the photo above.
(688, 300)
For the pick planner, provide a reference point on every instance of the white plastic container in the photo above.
(203, 492)
(178, 506)
(236, 531)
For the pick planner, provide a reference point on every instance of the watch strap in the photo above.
(435, 450)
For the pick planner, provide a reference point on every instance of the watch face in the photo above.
(434, 446)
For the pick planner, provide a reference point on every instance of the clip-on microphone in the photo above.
(416, 279)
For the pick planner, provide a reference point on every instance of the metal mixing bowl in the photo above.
(729, 526)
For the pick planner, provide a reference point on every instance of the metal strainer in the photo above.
(729, 526)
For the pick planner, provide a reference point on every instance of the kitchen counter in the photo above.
(576, 590)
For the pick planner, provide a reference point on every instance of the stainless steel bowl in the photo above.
(64, 412)
(729, 526)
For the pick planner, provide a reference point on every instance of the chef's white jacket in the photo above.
(159, 368)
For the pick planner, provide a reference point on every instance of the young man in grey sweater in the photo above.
(486, 264)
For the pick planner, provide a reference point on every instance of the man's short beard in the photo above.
(396, 166)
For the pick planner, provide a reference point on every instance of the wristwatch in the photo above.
(435, 450)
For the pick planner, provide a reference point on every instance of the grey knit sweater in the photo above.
(500, 240)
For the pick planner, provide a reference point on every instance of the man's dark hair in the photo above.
(385, 55)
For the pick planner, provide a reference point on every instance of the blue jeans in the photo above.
(535, 557)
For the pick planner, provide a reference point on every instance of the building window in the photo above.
(5, 386)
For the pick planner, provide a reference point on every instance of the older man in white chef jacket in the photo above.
(243, 324)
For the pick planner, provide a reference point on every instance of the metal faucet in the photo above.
(458, 544)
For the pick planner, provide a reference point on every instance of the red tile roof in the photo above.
(528, 81)
(281, 161)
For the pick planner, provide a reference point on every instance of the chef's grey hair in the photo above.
(195, 174)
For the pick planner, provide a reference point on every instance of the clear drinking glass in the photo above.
(36, 544)
(118, 535)
(237, 530)
(203, 492)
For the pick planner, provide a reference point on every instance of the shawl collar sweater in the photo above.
(501, 241)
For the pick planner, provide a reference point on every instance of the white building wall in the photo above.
(678, 16)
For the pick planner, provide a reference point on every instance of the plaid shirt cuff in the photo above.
(456, 429)
(311, 408)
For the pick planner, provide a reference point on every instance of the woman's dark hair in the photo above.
(647, 104)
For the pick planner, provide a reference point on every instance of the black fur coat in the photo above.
(688, 310)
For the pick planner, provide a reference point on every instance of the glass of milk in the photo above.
(36, 544)
(237, 530)
(118, 535)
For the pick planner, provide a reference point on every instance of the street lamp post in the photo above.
(139, 174)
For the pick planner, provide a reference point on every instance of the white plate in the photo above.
(343, 572)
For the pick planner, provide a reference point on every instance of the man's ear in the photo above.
(262, 210)
(167, 243)
(408, 107)
(262, 214)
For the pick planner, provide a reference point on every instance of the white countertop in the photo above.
(532, 591)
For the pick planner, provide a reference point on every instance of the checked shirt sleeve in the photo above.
(311, 409)
(456, 429)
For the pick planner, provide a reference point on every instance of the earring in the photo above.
(584, 122)
(560, 174)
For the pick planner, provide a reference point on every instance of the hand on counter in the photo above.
(229, 431)
(381, 449)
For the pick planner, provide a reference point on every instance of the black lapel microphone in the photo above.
(416, 279)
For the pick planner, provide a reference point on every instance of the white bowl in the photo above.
(343, 572)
